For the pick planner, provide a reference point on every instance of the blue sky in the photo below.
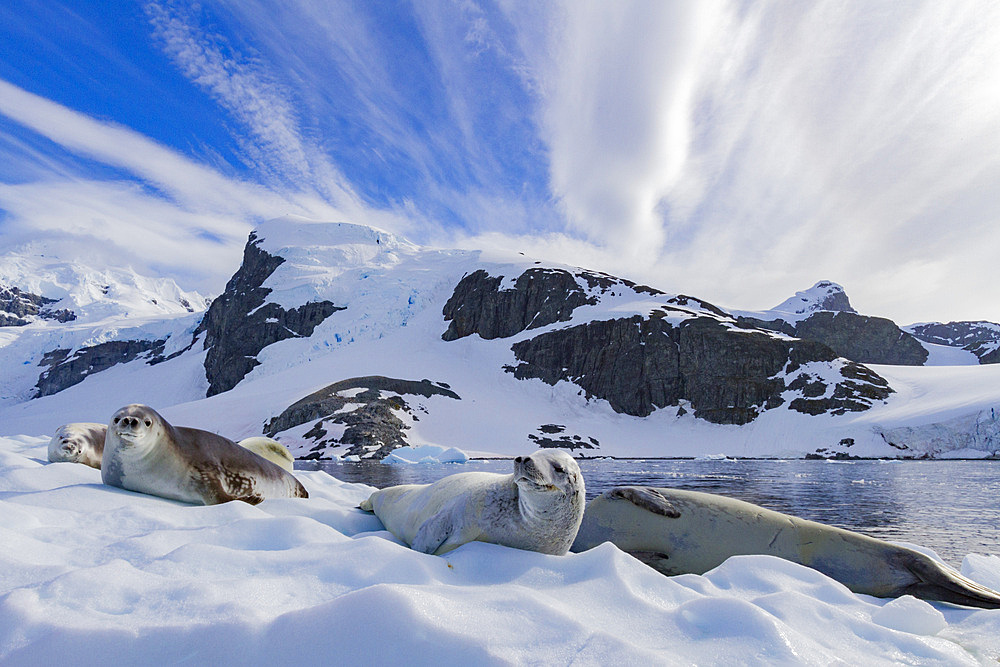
(735, 151)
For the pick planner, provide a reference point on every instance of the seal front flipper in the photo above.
(938, 582)
(434, 533)
(647, 498)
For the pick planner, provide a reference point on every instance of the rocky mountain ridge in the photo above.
(363, 315)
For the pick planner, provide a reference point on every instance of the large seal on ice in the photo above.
(538, 507)
(144, 453)
(679, 532)
(79, 442)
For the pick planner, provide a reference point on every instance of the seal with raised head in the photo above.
(677, 531)
(270, 449)
(78, 442)
(537, 508)
(143, 452)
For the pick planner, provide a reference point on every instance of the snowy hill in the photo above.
(342, 339)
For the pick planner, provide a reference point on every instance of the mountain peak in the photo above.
(824, 295)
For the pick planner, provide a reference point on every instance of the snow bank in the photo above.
(426, 454)
(93, 575)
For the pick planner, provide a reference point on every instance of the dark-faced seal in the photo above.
(538, 507)
(270, 449)
(681, 532)
(79, 442)
(144, 453)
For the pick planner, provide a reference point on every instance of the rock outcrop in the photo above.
(68, 368)
(684, 352)
(368, 421)
(492, 307)
(18, 308)
(239, 324)
(861, 338)
(979, 337)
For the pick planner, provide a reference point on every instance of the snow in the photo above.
(94, 575)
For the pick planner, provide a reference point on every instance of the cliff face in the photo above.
(238, 324)
(66, 369)
(684, 352)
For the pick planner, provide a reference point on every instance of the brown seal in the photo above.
(144, 453)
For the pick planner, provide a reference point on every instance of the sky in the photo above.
(735, 151)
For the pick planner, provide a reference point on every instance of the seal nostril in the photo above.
(517, 459)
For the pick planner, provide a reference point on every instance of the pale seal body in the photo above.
(679, 532)
(538, 508)
(270, 449)
(79, 442)
(145, 453)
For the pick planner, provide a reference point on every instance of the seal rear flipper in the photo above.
(647, 498)
(934, 582)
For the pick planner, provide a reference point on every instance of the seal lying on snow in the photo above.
(144, 453)
(679, 532)
(270, 449)
(79, 442)
(537, 508)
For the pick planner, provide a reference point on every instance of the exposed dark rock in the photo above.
(544, 438)
(18, 308)
(637, 364)
(66, 370)
(373, 428)
(238, 325)
(867, 340)
(980, 337)
(539, 297)
(536, 298)
(779, 325)
(835, 300)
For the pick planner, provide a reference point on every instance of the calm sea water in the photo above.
(952, 507)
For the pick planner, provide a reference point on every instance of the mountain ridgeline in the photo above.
(392, 342)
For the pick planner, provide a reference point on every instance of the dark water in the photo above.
(952, 507)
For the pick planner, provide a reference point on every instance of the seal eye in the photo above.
(558, 468)
(117, 419)
(148, 423)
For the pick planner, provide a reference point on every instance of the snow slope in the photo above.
(94, 575)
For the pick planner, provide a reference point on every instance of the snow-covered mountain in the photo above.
(342, 339)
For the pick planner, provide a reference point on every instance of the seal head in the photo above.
(78, 442)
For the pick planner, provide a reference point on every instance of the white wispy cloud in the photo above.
(739, 151)
(165, 211)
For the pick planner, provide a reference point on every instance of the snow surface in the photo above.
(95, 575)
